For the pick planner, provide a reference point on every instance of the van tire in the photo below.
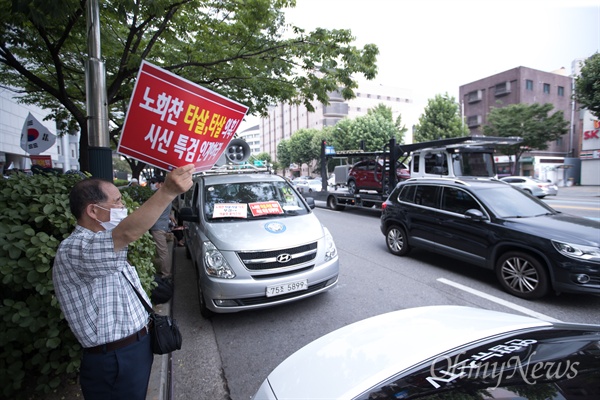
(188, 254)
(204, 311)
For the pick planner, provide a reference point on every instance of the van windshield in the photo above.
(473, 164)
(251, 200)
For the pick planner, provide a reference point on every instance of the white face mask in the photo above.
(153, 186)
(116, 215)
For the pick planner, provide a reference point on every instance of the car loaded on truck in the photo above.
(371, 179)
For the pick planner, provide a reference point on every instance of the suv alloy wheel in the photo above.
(522, 275)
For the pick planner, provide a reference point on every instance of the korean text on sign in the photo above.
(172, 122)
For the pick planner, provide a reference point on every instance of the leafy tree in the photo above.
(302, 149)
(341, 137)
(587, 85)
(264, 156)
(243, 50)
(284, 157)
(531, 122)
(440, 120)
(374, 129)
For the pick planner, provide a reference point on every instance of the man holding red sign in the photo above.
(93, 283)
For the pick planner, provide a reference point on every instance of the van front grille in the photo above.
(281, 258)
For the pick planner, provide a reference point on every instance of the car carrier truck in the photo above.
(471, 156)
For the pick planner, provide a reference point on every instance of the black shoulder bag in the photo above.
(164, 332)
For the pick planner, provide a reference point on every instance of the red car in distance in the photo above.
(368, 175)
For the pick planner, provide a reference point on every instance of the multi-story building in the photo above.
(588, 127)
(252, 137)
(64, 153)
(526, 85)
(285, 119)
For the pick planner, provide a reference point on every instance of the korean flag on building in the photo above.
(35, 137)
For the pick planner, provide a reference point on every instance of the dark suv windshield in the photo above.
(251, 200)
(508, 202)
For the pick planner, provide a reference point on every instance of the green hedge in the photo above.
(37, 349)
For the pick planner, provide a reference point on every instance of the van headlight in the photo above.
(330, 249)
(577, 251)
(214, 263)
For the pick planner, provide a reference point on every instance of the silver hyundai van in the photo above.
(255, 242)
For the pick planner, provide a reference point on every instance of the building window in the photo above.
(528, 84)
(473, 121)
(561, 91)
(547, 88)
(502, 89)
(474, 96)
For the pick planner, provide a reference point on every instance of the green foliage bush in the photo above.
(37, 349)
(138, 193)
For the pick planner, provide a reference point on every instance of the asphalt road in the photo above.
(229, 356)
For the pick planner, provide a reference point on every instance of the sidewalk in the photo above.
(578, 191)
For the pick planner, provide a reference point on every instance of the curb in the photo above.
(160, 383)
(159, 386)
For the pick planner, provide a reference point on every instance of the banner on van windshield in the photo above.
(173, 122)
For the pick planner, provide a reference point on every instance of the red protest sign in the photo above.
(265, 207)
(42, 161)
(173, 122)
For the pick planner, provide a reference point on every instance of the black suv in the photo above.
(531, 247)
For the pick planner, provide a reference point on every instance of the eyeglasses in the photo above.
(117, 204)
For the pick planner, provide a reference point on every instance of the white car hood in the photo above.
(248, 235)
(352, 359)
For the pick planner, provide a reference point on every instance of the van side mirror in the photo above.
(187, 214)
(310, 201)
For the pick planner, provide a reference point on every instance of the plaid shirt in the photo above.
(96, 299)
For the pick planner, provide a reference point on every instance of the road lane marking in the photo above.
(577, 207)
(498, 300)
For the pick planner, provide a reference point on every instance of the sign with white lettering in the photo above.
(172, 122)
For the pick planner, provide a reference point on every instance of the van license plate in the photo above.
(277, 290)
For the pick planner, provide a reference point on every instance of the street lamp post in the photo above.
(100, 154)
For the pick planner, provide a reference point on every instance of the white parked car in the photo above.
(533, 186)
(443, 352)
(309, 185)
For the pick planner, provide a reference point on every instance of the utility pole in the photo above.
(100, 154)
